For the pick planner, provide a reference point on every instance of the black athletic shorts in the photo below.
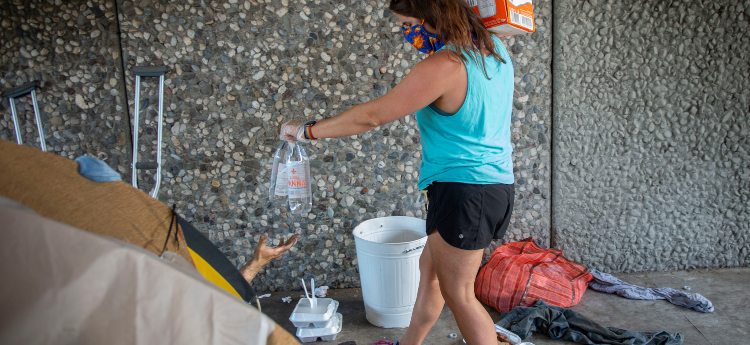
(469, 216)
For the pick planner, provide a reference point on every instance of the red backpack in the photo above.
(520, 273)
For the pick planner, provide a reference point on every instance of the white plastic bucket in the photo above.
(388, 251)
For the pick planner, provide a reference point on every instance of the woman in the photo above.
(462, 95)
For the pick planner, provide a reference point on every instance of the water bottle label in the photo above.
(281, 180)
(297, 180)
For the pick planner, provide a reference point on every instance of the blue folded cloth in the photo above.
(608, 283)
(96, 170)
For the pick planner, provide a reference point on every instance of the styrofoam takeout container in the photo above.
(328, 333)
(304, 316)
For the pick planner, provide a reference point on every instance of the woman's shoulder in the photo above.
(438, 68)
(442, 61)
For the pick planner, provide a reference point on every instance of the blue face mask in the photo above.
(421, 39)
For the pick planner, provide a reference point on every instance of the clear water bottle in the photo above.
(277, 193)
(298, 176)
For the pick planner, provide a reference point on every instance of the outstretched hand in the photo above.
(265, 254)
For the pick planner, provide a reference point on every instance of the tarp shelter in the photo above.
(51, 187)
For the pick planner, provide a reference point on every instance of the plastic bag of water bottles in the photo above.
(290, 178)
(299, 192)
(277, 193)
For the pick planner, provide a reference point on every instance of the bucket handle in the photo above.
(407, 251)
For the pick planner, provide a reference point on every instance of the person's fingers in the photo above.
(278, 251)
(286, 247)
(261, 248)
(263, 239)
(291, 241)
(274, 252)
(289, 132)
(292, 131)
(284, 130)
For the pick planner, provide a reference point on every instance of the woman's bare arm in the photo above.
(426, 82)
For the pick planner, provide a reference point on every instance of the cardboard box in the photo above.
(507, 17)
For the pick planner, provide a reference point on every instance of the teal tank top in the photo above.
(473, 145)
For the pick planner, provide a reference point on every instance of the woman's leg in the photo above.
(456, 270)
(429, 302)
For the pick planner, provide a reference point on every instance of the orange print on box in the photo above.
(508, 17)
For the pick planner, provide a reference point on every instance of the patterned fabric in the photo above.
(610, 284)
(522, 273)
(421, 39)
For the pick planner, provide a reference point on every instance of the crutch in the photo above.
(150, 71)
(23, 90)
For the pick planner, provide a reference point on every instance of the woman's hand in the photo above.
(293, 131)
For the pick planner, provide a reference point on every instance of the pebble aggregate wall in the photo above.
(238, 68)
(71, 47)
(651, 133)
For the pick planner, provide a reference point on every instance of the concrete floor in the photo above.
(728, 289)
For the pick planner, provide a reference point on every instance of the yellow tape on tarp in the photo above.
(208, 272)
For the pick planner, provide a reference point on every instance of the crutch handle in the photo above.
(146, 165)
(21, 90)
(150, 71)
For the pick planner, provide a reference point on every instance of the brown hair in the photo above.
(455, 23)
